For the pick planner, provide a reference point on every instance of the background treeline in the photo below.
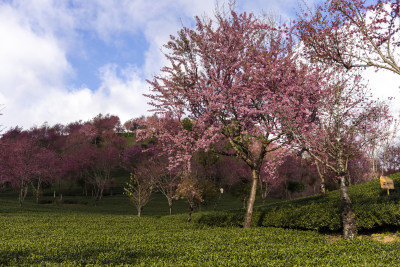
(102, 157)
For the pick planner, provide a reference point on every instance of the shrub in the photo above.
(373, 209)
(228, 219)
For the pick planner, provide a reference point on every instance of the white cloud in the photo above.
(384, 85)
(31, 66)
(38, 35)
(284, 10)
(118, 95)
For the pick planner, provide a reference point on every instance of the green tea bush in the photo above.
(85, 239)
(228, 219)
(373, 208)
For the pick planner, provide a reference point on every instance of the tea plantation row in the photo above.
(79, 234)
(96, 239)
(373, 207)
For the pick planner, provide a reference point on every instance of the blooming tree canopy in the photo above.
(353, 33)
(337, 135)
(233, 77)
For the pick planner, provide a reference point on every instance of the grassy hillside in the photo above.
(374, 210)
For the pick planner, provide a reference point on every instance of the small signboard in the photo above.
(386, 183)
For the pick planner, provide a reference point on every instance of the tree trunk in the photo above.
(169, 203)
(252, 199)
(21, 192)
(85, 191)
(348, 216)
(139, 211)
(217, 201)
(322, 178)
(189, 219)
(322, 188)
(97, 195)
(101, 193)
(37, 196)
(38, 191)
(264, 194)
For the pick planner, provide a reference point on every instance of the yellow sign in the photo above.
(386, 183)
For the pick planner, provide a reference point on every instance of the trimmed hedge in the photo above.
(373, 209)
(228, 219)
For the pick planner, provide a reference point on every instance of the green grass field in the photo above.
(110, 234)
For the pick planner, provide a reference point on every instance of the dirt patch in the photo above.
(333, 238)
(384, 238)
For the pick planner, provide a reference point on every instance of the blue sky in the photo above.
(62, 61)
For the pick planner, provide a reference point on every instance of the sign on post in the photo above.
(386, 183)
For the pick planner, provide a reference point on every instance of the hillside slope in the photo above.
(374, 209)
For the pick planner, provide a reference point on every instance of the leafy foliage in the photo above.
(139, 190)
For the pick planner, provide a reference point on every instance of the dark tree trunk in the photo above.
(38, 191)
(189, 219)
(97, 196)
(101, 193)
(85, 191)
(22, 193)
(348, 216)
(264, 194)
(217, 202)
(252, 199)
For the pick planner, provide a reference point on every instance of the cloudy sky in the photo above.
(68, 60)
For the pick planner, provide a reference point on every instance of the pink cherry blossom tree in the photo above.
(269, 177)
(392, 163)
(49, 168)
(92, 151)
(337, 135)
(353, 33)
(189, 189)
(77, 153)
(24, 162)
(18, 164)
(103, 161)
(233, 77)
(164, 179)
(166, 164)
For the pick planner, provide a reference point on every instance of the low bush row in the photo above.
(373, 208)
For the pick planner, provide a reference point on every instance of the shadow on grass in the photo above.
(83, 257)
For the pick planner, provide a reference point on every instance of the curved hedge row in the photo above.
(373, 209)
